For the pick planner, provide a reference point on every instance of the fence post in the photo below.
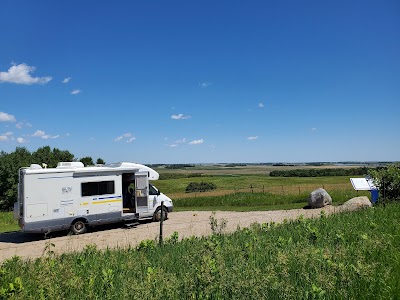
(251, 186)
(161, 222)
(299, 190)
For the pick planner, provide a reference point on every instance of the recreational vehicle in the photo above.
(74, 197)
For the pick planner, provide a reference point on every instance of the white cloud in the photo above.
(5, 117)
(181, 141)
(19, 74)
(180, 117)
(314, 129)
(6, 136)
(128, 137)
(44, 136)
(21, 140)
(173, 145)
(66, 80)
(196, 142)
(252, 138)
(39, 133)
(20, 125)
(261, 105)
(76, 92)
(204, 84)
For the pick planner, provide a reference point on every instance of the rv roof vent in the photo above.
(35, 167)
(70, 164)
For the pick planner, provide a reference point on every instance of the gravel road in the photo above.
(188, 223)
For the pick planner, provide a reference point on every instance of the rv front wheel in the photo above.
(79, 227)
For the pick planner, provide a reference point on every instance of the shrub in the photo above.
(388, 181)
(200, 187)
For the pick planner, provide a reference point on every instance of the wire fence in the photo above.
(276, 190)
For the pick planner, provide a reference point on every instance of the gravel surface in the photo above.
(187, 223)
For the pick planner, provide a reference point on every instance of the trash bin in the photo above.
(374, 195)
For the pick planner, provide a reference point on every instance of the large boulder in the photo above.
(356, 203)
(319, 198)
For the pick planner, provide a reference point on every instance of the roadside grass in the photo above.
(7, 222)
(343, 256)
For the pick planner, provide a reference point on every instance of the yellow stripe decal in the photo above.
(106, 201)
(84, 203)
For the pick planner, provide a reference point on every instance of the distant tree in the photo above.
(87, 161)
(388, 181)
(51, 158)
(100, 161)
(62, 155)
(10, 163)
(43, 155)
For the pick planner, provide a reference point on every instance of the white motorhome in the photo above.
(74, 197)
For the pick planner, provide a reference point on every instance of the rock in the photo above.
(319, 198)
(356, 203)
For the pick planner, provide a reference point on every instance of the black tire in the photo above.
(157, 214)
(79, 227)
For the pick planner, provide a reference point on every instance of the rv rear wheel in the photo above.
(79, 227)
(157, 214)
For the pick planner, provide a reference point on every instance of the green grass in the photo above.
(255, 201)
(7, 222)
(245, 181)
(343, 256)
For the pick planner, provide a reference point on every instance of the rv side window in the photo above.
(97, 188)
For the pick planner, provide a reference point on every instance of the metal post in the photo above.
(161, 222)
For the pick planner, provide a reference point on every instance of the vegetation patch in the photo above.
(200, 187)
(320, 172)
(343, 256)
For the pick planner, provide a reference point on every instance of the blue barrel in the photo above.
(374, 195)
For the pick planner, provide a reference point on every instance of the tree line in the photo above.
(11, 162)
(320, 172)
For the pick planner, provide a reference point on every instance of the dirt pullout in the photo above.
(187, 223)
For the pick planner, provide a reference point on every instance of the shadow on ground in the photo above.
(19, 237)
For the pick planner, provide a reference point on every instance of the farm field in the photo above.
(243, 188)
(239, 192)
(340, 256)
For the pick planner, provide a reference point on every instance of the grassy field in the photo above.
(7, 222)
(244, 192)
(344, 256)
(255, 192)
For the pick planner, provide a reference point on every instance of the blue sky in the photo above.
(202, 81)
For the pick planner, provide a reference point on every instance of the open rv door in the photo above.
(141, 192)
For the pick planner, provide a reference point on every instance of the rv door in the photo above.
(141, 192)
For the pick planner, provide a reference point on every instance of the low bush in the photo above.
(200, 187)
